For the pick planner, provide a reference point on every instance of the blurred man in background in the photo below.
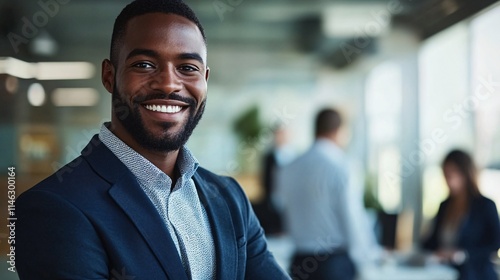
(321, 213)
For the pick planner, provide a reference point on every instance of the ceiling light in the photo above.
(36, 95)
(64, 70)
(75, 97)
(16, 68)
(46, 70)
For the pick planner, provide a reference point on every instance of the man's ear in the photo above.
(207, 73)
(108, 75)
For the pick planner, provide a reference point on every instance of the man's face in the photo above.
(160, 80)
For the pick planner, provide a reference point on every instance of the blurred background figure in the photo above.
(277, 156)
(466, 232)
(318, 206)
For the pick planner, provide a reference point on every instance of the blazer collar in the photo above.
(134, 202)
(221, 224)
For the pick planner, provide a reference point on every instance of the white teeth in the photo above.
(164, 108)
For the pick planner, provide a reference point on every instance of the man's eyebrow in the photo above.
(145, 52)
(194, 56)
(152, 53)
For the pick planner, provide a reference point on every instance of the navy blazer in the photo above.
(92, 220)
(479, 236)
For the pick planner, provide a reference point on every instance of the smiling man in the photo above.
(135, 204)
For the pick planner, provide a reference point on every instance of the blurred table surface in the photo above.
(393, 269)
(401, 272)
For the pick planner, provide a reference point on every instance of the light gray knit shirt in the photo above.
(180, 207)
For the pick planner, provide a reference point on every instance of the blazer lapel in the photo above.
(134, 202)
(222, 228)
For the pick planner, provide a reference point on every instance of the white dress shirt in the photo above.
(313, 189)
(323, 210)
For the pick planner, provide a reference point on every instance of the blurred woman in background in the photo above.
(466, 232)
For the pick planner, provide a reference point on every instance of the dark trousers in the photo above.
(323, 266)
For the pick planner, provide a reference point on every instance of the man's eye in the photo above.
(188, 68)
(143, 65)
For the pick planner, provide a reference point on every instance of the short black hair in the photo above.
(327, 121)
(141, 7)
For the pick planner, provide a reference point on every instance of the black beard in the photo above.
(132, 121)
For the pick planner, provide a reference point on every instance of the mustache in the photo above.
(160, 95)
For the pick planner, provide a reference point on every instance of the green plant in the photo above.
(248, 126)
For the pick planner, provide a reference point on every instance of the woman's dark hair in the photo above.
(465, 165)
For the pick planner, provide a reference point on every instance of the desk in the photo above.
(398, 272)
(393, 269)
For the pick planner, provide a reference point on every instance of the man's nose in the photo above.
(167, 81)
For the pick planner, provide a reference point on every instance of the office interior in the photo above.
(412, 79)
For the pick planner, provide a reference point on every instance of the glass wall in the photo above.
(446, 121)
(383, 111)
(485, 98)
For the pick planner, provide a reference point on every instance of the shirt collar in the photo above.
(146, 172)
(326, 143)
